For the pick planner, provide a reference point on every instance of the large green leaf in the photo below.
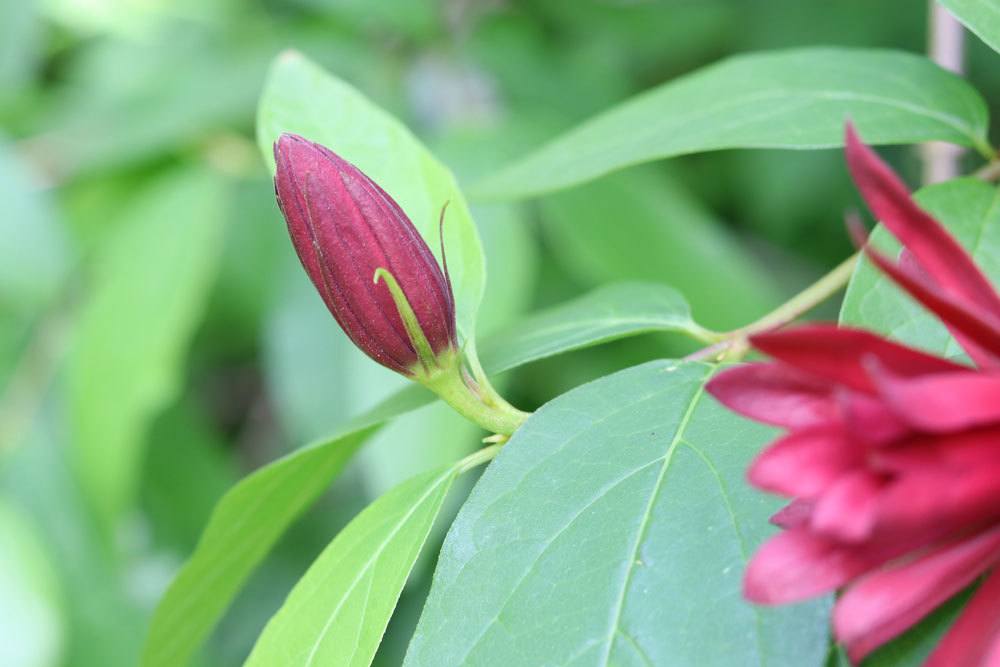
(150, 284)
(980, 16)
(606, 314)
(787, 99)
(971, 211)
(613, 529)
(338, 611)
(253, 514)
(300, 97)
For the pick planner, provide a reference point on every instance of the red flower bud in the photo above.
(345, 228)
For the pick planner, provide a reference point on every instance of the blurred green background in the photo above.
(158, 339)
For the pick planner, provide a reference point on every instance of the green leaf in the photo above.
(150, 284)
(606, 314)
(338, 611)
(30, 609)
(253, 514)
(35, 253)
(970, 209)
(980, 16)
(300, 97)
(613, 529)
(786, 99)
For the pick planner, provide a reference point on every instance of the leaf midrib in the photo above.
(678, 437)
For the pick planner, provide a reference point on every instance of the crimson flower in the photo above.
(892, 455)
(347, 231)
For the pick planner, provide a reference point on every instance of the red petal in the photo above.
(804, 463)
(869, 420)
(847, 510)
(924, 506)
(838, 354)
(977, 331)
(796, 565)
(973, 640)
(774, 394)
(944, 402)
(793, 515)
(887, 602)
(931, 244)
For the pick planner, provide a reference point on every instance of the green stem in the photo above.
(480, 404)
(805, 300)
(477, 458)
(733, 345)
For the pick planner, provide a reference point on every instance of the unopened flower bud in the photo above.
(371, 266)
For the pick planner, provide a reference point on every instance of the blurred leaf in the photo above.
(606, 314)
(126, 101)
(788, 99)
(300, 97)
(980, 16)
(186, 472)
(339, 610)
(613, 528)
(970, 209)
(635, 226)
(35, 252)
(30, 608)
(150, 284)
(20, 44)
(103, 624)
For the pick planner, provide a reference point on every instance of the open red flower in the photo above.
(892, 455)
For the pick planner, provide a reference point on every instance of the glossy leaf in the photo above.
(606, 314)
(338, 611)
(980, 16)
(784, 99)
(613, 529)
(970, 209)
(300, 97)
(150, 285)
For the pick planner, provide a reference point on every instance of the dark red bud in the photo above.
(344, 227)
